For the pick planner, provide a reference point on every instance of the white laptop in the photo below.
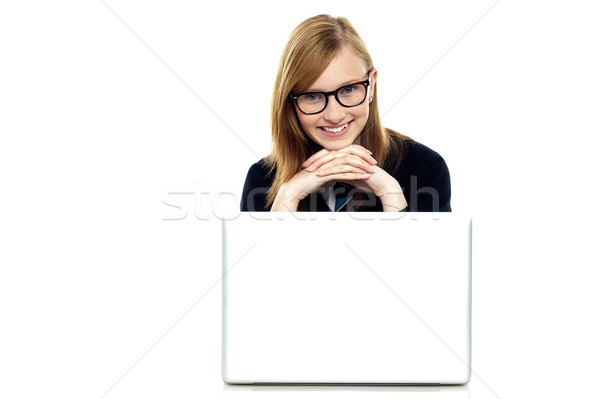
(347, 298)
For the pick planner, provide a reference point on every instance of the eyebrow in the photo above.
(342, 85)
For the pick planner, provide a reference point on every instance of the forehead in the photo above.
(346, 67)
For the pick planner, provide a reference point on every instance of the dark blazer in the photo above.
(422, 174)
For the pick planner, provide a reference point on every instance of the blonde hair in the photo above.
(309, 50)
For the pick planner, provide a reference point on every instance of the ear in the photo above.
(372, 82)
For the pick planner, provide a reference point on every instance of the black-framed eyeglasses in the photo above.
(313, 102)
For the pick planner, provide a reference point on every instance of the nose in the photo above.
(334, 112)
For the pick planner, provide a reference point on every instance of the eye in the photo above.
(348, 89)
(311, 97)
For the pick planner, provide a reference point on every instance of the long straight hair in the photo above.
(309, 50)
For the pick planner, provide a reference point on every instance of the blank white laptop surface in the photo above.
(347, 298)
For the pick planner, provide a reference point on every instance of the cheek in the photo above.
(361, 121)
(306, 122)
(362, 114)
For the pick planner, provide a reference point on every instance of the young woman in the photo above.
(330, 149)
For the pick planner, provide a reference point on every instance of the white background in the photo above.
(110, 110)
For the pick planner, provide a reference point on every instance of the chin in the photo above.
(335, 146)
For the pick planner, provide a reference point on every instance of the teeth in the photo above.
(336, 130)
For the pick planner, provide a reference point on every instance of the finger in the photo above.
(324, 156)
(359, 148)
(331, 156)
(348, 159)
(349, 176)
(314, 157)
(341, 168)
(360, 151)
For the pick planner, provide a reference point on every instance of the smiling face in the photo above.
(337, 126)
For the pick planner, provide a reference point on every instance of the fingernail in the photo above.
(310, 168)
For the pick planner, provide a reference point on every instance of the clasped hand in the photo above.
(353, 165)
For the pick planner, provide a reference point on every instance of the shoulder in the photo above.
(259, 172)
(256, 187)
(419, 156)
(411, 157)
(424, 177)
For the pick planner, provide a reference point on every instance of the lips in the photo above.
(335, 131)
